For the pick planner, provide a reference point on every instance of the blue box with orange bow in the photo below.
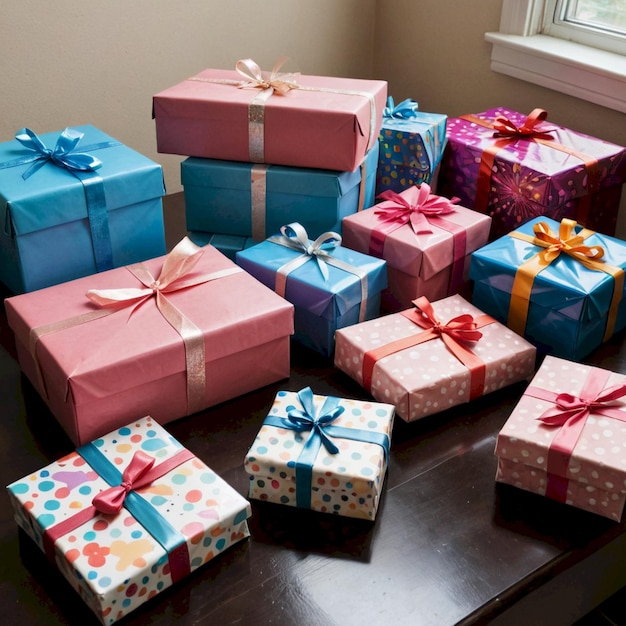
(559, 285)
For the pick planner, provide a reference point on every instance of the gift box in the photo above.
(425, 239)
(557, 284)
(411, 146)
(433, 357)
(565, 438)
(322, 453)
(167, 338)
(516, 167)
(127, 515)
(329, 285)
(79, 197)
(278, 118)
(228, 245)
(256, 200)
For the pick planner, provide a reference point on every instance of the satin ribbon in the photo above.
(176, 274)
(506, 132)
(456, 335)
(407, 109)
(568, 242)
(322, 432)
(258, 196)
(140, 472)
(570, 415)
(418, 208)
(295, 237)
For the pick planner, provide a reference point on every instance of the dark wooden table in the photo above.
(449, 546)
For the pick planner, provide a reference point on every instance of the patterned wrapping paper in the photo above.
(348, 482)
(117, 561)
(421, 380)
(594, 476)
(572, 308)
(530, 177)
(106, 214)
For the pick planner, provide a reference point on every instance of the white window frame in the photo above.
(519, 50)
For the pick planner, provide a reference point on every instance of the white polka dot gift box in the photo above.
(566, 438)
(322, 453)
(434, 356)
(127, 515)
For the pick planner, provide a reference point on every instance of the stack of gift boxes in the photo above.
(432, 260)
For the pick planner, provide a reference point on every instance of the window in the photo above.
(562, 55)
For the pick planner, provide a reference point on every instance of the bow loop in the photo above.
(527, 130)
(567, 241)
(463, 327)
(277, 82)
(407, 109)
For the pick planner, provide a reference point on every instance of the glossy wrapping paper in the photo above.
(594, 476)
(101, 374)
(249, 200)
(569, 303)
(118, 561)
(531, 179)
(45, 215)
(318, 125)
(348, 482)
(428, 378)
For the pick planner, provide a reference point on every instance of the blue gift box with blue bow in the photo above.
(75, 203)
(322, 453)
(411, 146)
(329, 285)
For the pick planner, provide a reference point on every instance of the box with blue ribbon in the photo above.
(322, 453)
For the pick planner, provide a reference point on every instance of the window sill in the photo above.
(571, 68)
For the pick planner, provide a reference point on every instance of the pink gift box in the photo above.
(422, 379)
(432, 264)
(590, 474)
(327, 123)
(98, 375)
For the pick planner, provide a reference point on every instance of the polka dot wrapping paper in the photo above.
(348, 482)
(593, 476)
(117, 561)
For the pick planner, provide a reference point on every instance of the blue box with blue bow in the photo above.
(255, 200)
(322, 453)
(329, 285)
(411, 146)
(74, 203)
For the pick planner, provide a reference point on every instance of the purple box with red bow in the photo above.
(565, 438)
(515, 167)
(425, 239)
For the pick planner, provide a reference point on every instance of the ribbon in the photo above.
(569, 242)
(176, 274)
(140, 472)
(295, 237)
(255, 78)
(456, 334)
(407, 109)
(321, 433)
(506, 132)
(570, 415)
(418, 208)
(258, 194)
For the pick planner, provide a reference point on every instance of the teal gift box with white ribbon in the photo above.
(74, 203)
(322, 453)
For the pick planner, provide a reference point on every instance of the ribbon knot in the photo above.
(567, 241)
(407, 109)
(527, 130)
(277, 82)
(460, 328)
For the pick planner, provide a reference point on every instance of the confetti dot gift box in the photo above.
(120, 545)
(433, 357)
(322, 453)
(565, 438)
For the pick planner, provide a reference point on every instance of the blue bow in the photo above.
(405, 110)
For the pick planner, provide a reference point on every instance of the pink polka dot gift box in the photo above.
(433, 356)
(127, 515)
(322, 453)
(566, 437)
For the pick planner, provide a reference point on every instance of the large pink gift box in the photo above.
(413, 360)
(167, 338)
(565, 439)
(318, 121)
(426, 240)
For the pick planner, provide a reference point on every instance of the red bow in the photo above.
(505, 128)
(461, 328)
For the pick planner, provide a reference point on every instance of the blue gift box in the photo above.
(411, 146)
(73, 204)
(249, 200)
(572, 309)
(228, 245)
(348, 294)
